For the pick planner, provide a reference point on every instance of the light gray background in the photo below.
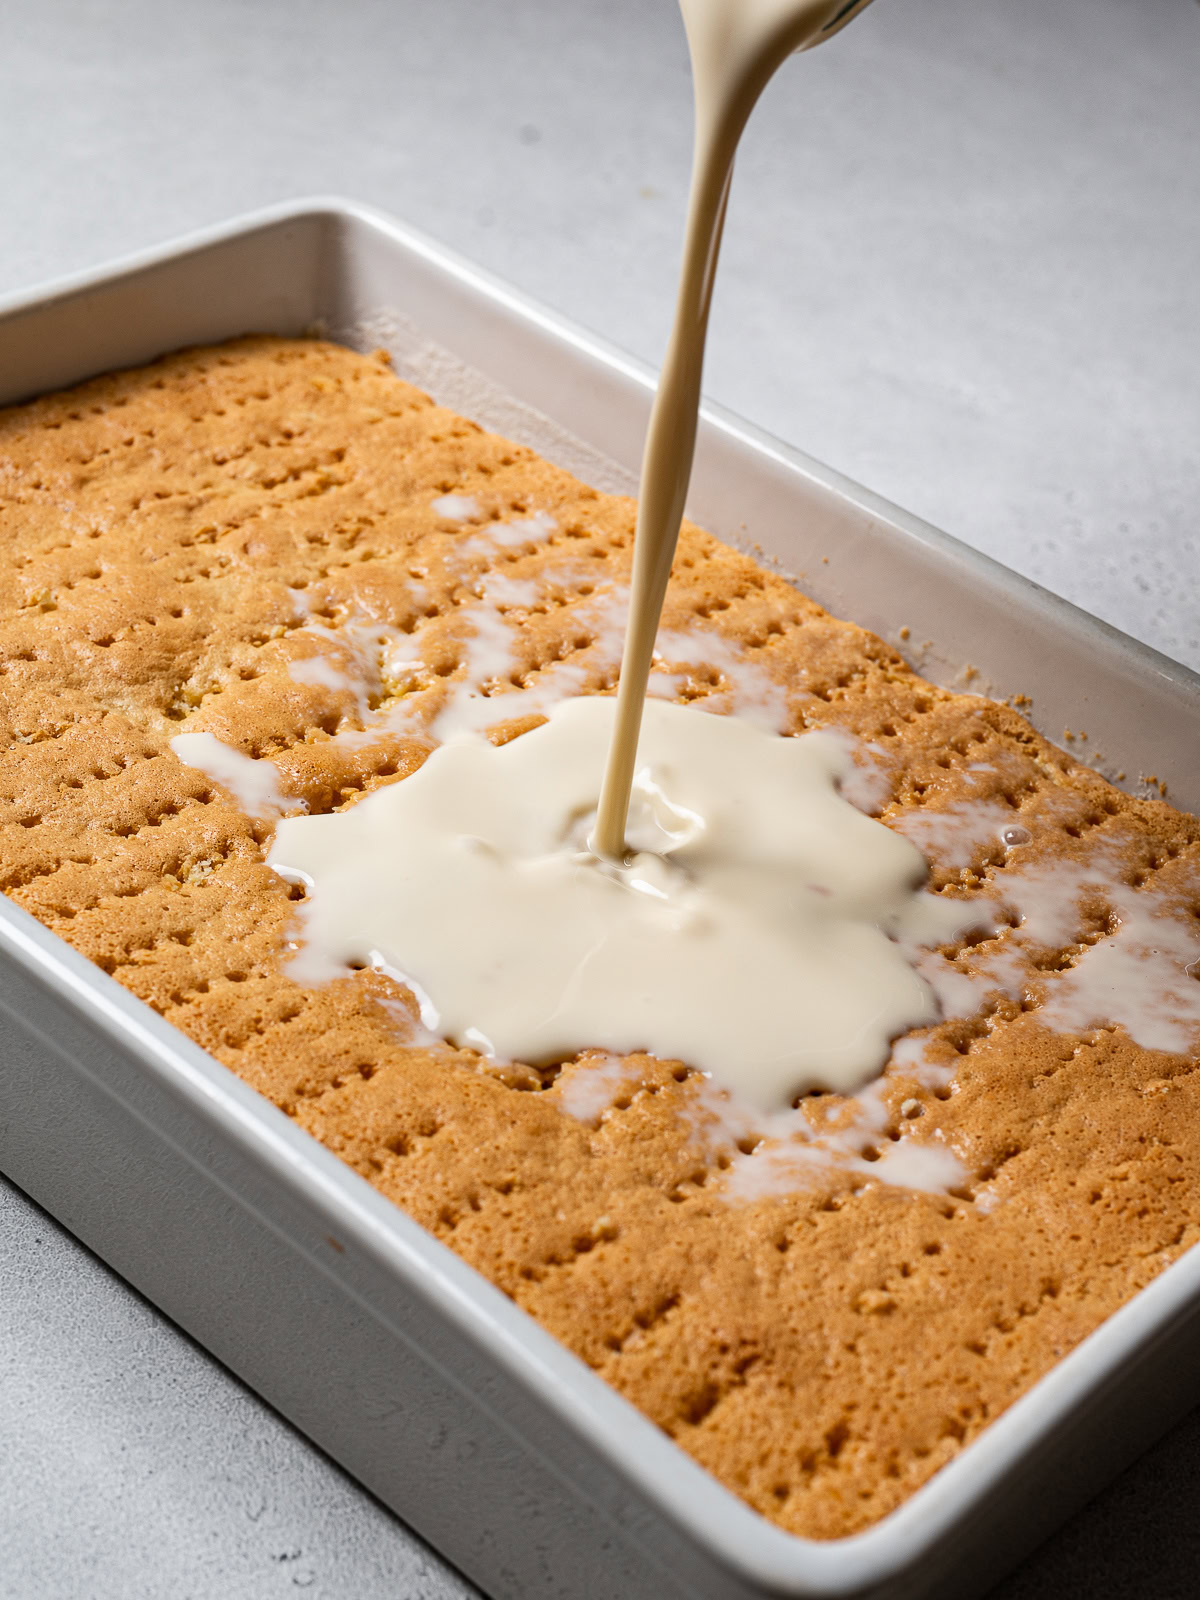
(961, 265)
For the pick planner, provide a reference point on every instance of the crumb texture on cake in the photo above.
(178, 540)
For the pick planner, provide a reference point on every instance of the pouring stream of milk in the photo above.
(736, 46)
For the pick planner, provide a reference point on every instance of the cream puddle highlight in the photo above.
(757, 932)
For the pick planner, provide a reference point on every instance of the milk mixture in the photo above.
(757, 927)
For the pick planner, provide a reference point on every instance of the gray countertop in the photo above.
(960, 265)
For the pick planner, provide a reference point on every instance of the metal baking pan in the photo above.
(429, 1385)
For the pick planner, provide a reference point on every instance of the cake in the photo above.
(280, 544)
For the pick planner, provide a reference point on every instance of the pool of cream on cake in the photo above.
(758, 931)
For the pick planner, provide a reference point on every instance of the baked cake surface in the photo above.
(179, 540)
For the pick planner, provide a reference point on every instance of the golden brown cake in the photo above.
(176, 539)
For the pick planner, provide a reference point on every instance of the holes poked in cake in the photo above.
(644, 1321)
(967, 834)
(573, 1250)
(595, 1082)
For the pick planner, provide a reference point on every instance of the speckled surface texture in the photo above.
(1017, 374)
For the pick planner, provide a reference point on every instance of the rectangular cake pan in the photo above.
(423, 1380)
